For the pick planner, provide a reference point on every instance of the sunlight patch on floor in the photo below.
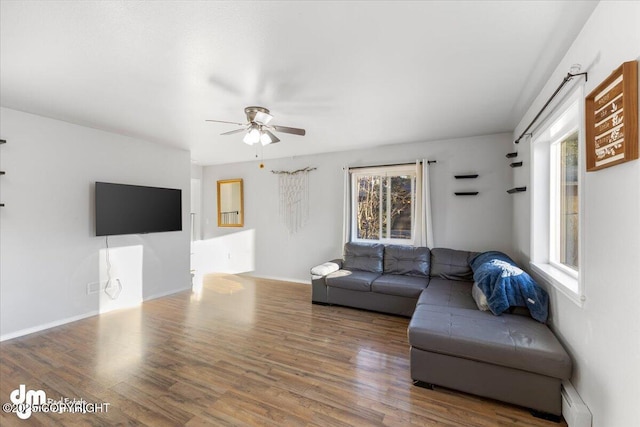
(222, 283)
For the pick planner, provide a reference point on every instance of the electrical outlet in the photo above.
(96, 287)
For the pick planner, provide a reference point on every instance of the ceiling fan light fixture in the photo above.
(252, 137)
(265, 139)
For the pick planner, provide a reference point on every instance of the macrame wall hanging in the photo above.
(294, 197)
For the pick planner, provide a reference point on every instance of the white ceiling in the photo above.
(352, 73)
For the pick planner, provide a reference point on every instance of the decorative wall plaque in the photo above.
(611, 111)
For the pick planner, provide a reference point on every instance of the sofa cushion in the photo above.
(353, 280)
(451, 264)
(403, 286)
(507, 340)
(363, 256)
(408, 260)
(448, 293)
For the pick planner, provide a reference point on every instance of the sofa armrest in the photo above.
(326, 268)
(319, 294)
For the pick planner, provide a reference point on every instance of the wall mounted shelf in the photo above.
(517, 190)
(468, 176)
(516, 164)
(465, 193)
(512, 155)
(2, 141)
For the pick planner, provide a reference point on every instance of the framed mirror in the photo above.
(230, 203)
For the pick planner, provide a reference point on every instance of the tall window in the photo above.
(557, 166)
(383, 204)
(565, 202)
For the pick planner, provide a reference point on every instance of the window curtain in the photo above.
(424, 225)
(346, 209)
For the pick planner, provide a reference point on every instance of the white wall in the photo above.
(478, 223)
(196, 200)
(48, 249)
(603, 337)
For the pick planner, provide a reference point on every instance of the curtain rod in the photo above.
(389, 164)
(567, 78)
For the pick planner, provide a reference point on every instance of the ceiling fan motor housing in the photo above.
(252, 111)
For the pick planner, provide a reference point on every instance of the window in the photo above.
(383, 201)
(556, 204)
(564, 215)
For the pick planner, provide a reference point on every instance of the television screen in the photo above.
(133, 209)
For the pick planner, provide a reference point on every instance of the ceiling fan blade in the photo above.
(274, 138)
(231, 123)
(263, 118)
(285, 129)
(231, 132)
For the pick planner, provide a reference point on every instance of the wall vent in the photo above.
(574, 410)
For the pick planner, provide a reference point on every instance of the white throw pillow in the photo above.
(324, 269)
(479, 298)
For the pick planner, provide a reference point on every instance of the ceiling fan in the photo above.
(258, 129)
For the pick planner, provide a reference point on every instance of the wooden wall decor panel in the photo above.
(611, 111)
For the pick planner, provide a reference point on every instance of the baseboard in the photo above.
(92, 313)
(167, 293)
(282, 279)
(574, 410)
(49, 325)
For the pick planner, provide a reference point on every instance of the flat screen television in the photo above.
(134, 209)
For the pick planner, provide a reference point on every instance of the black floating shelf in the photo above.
(470, 176)
(1, 172)
(466, 193)
(2, 141)
(517, 190)
(1, 205)
(512, 155)
(516, 164)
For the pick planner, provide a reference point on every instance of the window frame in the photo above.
(566, 119)
(393, 170)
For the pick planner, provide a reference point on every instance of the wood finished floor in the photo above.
(244, 351)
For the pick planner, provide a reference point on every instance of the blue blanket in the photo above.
(505, 285)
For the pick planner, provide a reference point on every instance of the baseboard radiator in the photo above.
(574, 410)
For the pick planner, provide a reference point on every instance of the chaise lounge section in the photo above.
(511, 357)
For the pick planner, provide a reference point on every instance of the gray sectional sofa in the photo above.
(511, 357)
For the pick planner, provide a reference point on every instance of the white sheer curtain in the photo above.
(424, 225)
(346, 212)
